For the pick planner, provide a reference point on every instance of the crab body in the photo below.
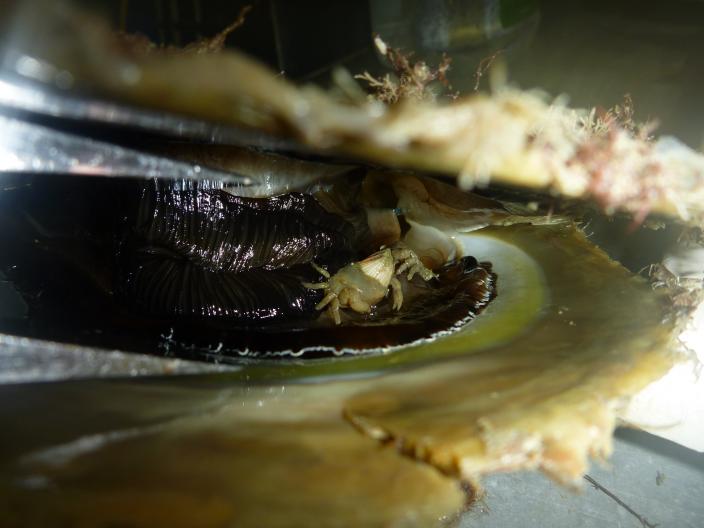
(363, 284)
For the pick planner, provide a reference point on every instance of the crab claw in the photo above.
(410, 262)
(379, 266)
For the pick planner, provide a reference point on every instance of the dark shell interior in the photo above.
(187, 269)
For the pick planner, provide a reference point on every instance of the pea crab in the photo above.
(362, 284)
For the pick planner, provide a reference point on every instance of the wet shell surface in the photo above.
(381, 439)
(533, 382)
(190, 270)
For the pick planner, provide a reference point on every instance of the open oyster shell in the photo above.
(533, 382)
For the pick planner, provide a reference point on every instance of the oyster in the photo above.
(533, 382)
(533, 385)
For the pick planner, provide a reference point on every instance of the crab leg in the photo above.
(321, 270)
(411, 263)
(315, 285)
(397, 293)
(334, 308)
(326, 300)
(406, 266)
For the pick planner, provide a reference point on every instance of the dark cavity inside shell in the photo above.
(188, 269)
(463, 289)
